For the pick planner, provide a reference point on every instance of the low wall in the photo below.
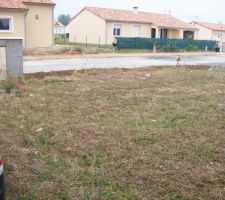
(13, 59)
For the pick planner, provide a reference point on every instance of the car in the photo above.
(2, 182)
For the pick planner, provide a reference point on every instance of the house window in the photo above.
(136, 31)
(164, 33)
(5, 24)
(117, 30)
(188, 35)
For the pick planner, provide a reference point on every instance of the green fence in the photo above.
(164, 44)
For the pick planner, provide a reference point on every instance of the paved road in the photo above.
(33, 66)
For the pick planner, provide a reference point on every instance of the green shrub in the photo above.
(78, 49)
(192, 47)
(8, 85)
(170, 48)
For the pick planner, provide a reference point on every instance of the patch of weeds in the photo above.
(7, 167)
(56, 163)
(20, 92)
(45, 137)
(21, 79)
(32, 81)
(92, 72)
(140, 101)
(205, 152)
(94, 98)
(104, 187)
(52, 82)
(144, 123)
(10, 84)
(176, 195)
(65, 196)
(28, 139)
(81, 71)
(87, 71)
(91, 160)
(144, 139)
(78, 49)
(26, 197)
(172, 120)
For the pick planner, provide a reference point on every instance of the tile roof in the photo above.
(212, 26)
(161, 20)
(12, 4)
(21, 4)
(46, 2)
(58, 24)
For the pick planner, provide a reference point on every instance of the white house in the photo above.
(211, 31)
(102, 25)
(59, 28)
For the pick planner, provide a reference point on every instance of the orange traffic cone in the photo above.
(154, 49)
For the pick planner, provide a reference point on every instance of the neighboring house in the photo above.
(102, 25)
(31, 20)
(210, 31)
(59, 28)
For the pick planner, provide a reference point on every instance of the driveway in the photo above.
(47, 65)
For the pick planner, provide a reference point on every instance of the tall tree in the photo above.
(64, 19)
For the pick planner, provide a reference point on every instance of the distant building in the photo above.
(210, 31)
(59, 28)
(102, 25)
(31, 20)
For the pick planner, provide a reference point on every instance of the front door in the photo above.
(2, 63)
(153, 33)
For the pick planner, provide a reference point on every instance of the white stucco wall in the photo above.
(87, 26)
(203, 33)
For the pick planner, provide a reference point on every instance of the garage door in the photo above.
(2, 63)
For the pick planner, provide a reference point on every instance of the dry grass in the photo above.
(116, 134)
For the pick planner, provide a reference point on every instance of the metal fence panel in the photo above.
(148, 43)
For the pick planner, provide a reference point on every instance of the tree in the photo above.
(64, 19)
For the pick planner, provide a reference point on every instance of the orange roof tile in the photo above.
(161, 20)
(12, 4)
(20, 4)
(212, 26)
(50, 2)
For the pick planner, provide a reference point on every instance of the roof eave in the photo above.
(15, 9)
(39, 4)
(127, 21)
(179, 28)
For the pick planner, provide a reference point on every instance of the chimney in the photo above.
(135, 9)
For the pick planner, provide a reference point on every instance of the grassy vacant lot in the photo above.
(116, 134)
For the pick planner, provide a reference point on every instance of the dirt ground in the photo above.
(74, 51)
(151, 133)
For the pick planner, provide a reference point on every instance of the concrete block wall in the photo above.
(14, 55)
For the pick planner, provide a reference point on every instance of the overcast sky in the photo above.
(205, 10)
